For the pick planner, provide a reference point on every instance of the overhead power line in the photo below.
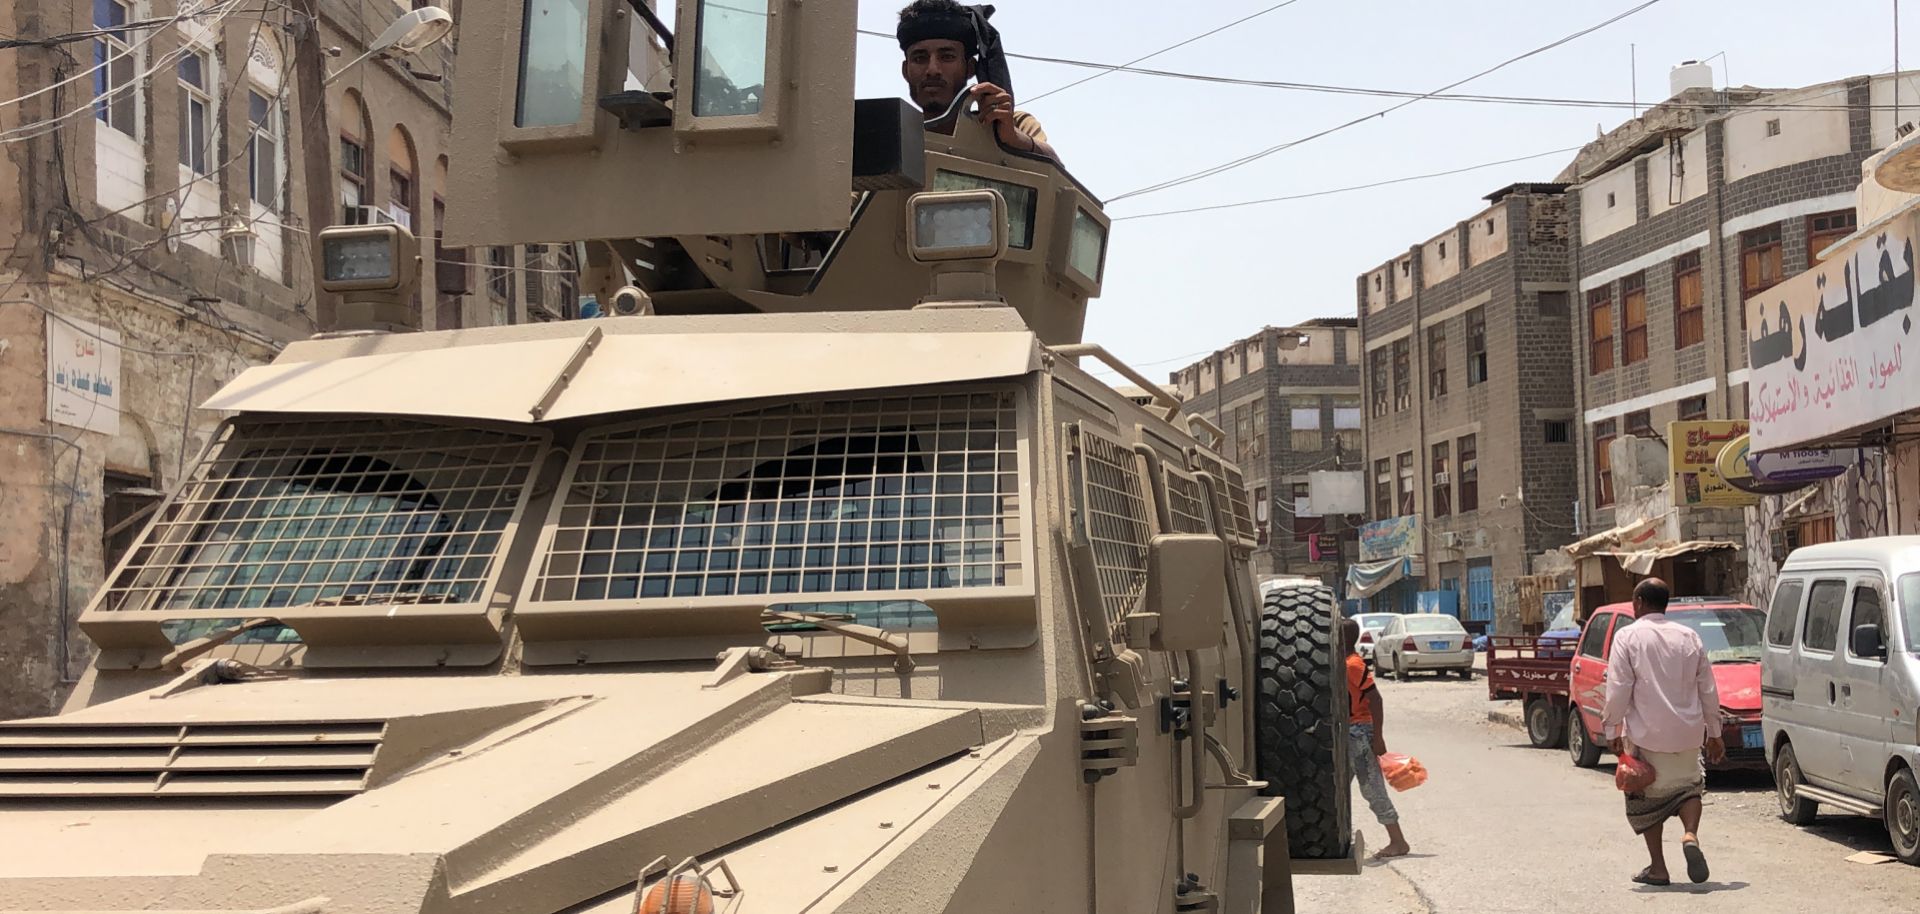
(1249, 159)
(1351, 188)
(1171, 47)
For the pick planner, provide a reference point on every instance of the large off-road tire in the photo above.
(1302, 715)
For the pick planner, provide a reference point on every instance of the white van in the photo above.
(1840, 684)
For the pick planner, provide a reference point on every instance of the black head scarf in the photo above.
(971, 29)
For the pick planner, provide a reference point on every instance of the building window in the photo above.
(1826, 229)
(1467, 450)
(535, 260)
(1437, 360)
(1640, 424)
(570, 309)
(1603, 435)
(1262, 516)
(1600, 330)
(1382, 489)
(1406, 483)
(1555, 431)
(1259, 423)
(1551, 304)
(1304, 423)
(1443, 250)
(195, 105)
(500, 273)
(1489, 226)
(1442, 503)
(400, 200)
(1633, 304)
(1693, 408)
(1346, 424)
(1773, 127)
(1760, 268)
(1402, 375)
(129, 502)
(1378, 370)
(1612, 200)
(114, 67)
(1689, 302)
(263, 151)
(1476, 347)
(353, 181)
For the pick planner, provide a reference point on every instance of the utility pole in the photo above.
(317, 145)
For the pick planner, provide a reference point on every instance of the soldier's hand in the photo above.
(996, 104)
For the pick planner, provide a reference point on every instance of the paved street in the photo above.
(1501, 826)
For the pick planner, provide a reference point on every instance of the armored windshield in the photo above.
(894, 494)
(340, 513)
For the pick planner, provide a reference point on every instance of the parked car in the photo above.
(1424, 641)
(1371, 625)
(1730, 631)
(1841, 684)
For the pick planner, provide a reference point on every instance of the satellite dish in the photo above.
(1900, 168)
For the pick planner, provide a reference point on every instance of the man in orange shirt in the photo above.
(1366, 741)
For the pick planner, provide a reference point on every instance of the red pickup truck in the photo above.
(1549, 675)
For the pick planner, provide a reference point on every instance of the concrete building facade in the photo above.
(153, 232)
(1289, 401)
(1685, 217)
(1469, 402)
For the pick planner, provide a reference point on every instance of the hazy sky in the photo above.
(1179, 286)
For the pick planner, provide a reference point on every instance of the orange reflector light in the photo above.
(684, 895)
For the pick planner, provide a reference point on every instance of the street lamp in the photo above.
(408, 35)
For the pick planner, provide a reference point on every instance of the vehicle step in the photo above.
(1839, 801)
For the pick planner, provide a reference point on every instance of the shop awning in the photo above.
(1642, 562)
(1370, 578)
(1646, 533)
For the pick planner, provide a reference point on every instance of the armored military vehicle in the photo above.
(827, 581)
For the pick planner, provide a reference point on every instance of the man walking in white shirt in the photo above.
(1661, 707)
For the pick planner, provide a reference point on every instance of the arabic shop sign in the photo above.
(83, 375)
(1694, 448)
(1392, 538)
(1827, 348)
(1779, 472)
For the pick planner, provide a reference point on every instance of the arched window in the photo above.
(354, 131)
(403, 191)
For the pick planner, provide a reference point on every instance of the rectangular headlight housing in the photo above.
(367, 258)
(957, 225)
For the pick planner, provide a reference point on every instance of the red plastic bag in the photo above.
(1633, 774)
(1403, 772)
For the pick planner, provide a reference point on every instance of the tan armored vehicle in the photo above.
(826, 582)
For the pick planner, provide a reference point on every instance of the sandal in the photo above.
(1696, 861)
(1646, 877)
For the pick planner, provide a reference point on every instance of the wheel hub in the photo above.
(1905, 818)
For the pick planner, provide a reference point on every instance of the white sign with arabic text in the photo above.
(83, 375)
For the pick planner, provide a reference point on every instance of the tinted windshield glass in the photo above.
(1729, 635)
(1563, 620)
(1430, 624)
(1910, 610)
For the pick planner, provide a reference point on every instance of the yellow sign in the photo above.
(1694, 449)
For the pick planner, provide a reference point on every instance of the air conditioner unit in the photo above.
(1450, 540)
(1441, 478)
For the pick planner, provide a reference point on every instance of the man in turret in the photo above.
(942, 42)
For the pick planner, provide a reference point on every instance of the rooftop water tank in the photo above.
(1691, 74)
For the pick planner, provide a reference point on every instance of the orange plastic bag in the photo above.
(1403, 772)
(1633, 774)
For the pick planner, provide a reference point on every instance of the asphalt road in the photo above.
(1501, 826)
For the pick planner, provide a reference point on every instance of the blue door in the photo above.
(1480, 591)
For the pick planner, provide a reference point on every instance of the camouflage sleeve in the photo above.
(1029, 125)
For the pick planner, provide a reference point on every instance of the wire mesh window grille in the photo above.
(1186, 504)
(893, 494)
(1230, 497)
(333, 513)
(1117, 526)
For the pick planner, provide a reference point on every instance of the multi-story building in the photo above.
(1685, 217)
(1289, 402)
(1469, 453)
(152, 202)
